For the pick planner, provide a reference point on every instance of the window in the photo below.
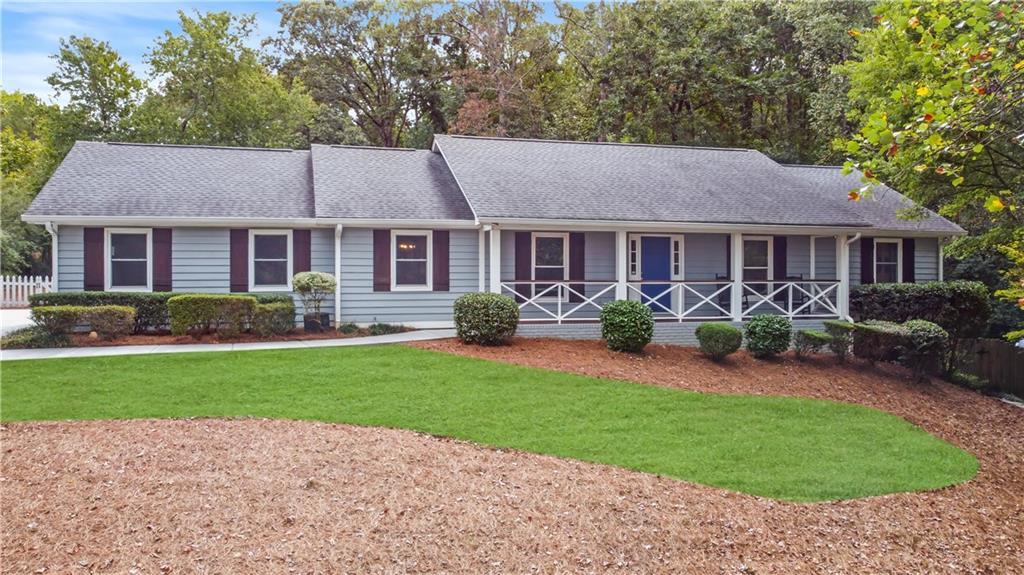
(270, 262)
(129, 257)
(757, 262)
(888, 260)
(411, 267)
(550, 262)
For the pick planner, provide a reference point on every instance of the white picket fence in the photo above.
(14, 290)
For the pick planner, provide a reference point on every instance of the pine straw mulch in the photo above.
(258, 496)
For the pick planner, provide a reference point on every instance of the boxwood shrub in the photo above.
(627, 325)
(960, 307)
(485, 318)
(918, 344)
(719, 339)
(270, 319)
(840, 337)
(150, 307)
(807, 341)
(58, 319)
(197, 314)
(768, 335)
(110, 321)
(876, 340)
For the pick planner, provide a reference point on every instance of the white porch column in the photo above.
(621, 264)
(337, 275)
(736, 270)
(495, 259)
(52, 228)
(481, 264)
(843, 266)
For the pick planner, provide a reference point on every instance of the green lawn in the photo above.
(786, 448)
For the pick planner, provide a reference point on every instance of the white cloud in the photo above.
(27, 72)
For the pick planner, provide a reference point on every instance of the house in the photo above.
(698, 234)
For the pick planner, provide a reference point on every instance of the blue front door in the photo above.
(656, 264)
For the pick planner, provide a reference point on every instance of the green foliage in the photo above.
(110, 321)
(97, 81)
(313, 288)
(348, 328)
(768, 335)
(270, 319)
(627, 325)
(33, 337)
(58, 319)
(962, 308)
(924, 348)
(808, 341)
(197, 314)
(384, 328)
(718, 340)
(485, 318)
(841, 337)
(877, 340)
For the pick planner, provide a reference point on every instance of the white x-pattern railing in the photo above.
(803, 298)
(555, 299)
(676, 292)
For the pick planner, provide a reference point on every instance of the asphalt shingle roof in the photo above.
(507, 178)
(143, 180)
(385, 183)
(881, 209)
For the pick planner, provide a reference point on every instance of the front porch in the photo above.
(561, 278)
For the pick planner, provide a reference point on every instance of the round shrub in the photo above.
(58, 319)
(841, 337)
(768, 335)
(807, 341)
(718, 340)
(924, 347)
(110, 321)
(273, 318)
(627, 325)
(313, 288)
(486, 318)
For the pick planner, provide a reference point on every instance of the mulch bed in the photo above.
(258, 496)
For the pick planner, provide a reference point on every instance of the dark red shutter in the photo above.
(162, 259)
(441, 260)
(93, 259)
(577, 266)
(908, 260)
(301, 251)
(779, 266)
(240, 260)
(867, 260)
(381, 260)
(524, 267)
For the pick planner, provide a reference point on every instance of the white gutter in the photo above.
(844, 280)
(52, 229)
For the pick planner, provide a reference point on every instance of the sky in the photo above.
(31, 32)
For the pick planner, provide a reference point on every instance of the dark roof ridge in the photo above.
(196, 146)
(380, 148)
(635, 144)
(811, 166)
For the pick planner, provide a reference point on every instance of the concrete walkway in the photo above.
(420, 335)
(12, 319)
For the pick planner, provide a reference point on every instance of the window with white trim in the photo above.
(411, 265)
(270, 260)
(757, 262)
(550, 262)
(634, 258)
(888, 260)
(129, 259)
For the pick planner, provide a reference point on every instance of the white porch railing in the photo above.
(711, 296)
(799, 298)
(553, 299)
(14, 290)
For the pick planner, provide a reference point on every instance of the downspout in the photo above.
(846, 276)
(52, 229)
(337, 275)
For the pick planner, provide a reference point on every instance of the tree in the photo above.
(376, 62)
(97, 82)
(939, 98)
(214, 90)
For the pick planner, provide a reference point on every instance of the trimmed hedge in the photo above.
(197, 314)
(485, 318)
(876, 340)
(273, 318)
(58, 319)
(960, 307)
(110, 321)
(718, 340)
(33, 337)
(841, 337)
(768, 335)
(150, 307)
(627, 325)
(918, 344)
(807, 341)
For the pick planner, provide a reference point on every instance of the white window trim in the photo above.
(771, 255)
(108, 271)
(561, 294)
(899, 257)
(252, 260)
(636, 266)
(429, 285)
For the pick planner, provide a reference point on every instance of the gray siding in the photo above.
(201, 260)
(926, 259)
(360, 304)
(825, 258)
(70, 258)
